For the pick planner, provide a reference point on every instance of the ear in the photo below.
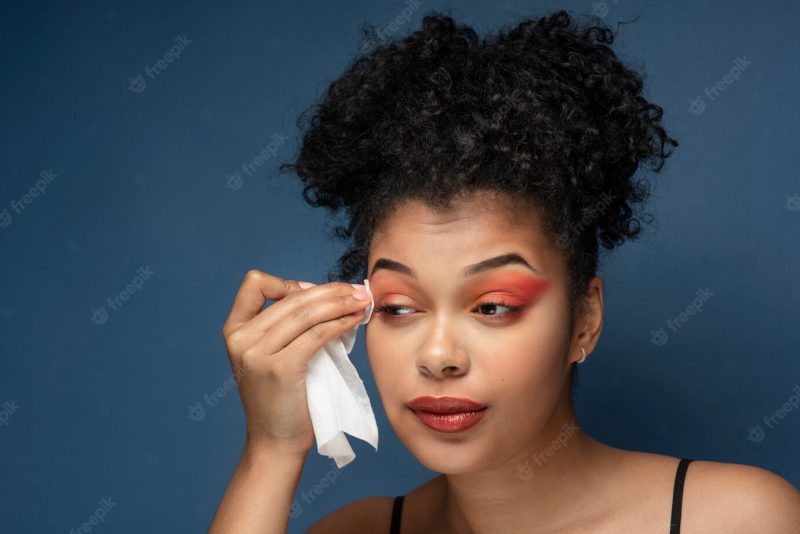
(588, 321)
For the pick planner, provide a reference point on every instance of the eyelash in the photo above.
(493, 317)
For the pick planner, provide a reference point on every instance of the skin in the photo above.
(527, 466)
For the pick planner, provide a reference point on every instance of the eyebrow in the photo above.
(470, 270)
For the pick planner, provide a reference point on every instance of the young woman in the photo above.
(479, 177)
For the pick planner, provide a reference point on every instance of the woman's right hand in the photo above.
(269, 351)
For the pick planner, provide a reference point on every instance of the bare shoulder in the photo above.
(370, 514)
(738, 498)
(374, 514)
(718, 497)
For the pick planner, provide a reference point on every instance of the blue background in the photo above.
(146, 180)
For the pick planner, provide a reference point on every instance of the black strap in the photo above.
(677, 496)
(677, 500)
(397, 512)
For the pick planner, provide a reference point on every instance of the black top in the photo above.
(397, 512)
(675, 517)
(677, 496)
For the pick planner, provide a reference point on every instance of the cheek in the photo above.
(522, 377)
(527, 357)
(384, 363)
(525, 361)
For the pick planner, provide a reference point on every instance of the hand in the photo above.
(270, 349)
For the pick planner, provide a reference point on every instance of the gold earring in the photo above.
(584, 355)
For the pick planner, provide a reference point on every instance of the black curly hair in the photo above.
(544, 112)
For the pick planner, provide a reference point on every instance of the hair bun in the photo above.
(541, 110)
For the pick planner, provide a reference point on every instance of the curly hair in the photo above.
(544, 112)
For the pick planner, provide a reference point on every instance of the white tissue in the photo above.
(337, 400)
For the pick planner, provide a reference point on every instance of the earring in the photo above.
(584, 355)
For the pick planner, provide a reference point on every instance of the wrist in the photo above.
(259, 451)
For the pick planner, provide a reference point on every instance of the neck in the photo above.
(553, 483)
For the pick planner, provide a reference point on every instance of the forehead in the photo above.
(473, 228)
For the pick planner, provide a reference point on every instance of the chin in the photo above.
(444, 462)
(449, 454)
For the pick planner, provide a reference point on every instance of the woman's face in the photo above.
(445, 334)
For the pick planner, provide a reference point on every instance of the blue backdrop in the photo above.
(139, 186)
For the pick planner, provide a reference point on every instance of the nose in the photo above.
(442, 355)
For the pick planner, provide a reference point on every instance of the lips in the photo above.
(444, 405)
(447, 414)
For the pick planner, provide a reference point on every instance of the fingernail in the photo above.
(305, 285)
(361, 292)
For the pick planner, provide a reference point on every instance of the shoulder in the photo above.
(738, 498)
(374, 514)
(718, 497)
(370, 514)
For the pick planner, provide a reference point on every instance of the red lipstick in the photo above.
(447, 414)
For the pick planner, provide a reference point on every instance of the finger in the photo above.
(255, 290)
(312, 340)
(307, 307)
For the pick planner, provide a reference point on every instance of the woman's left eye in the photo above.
(484, 307)
(500, 305)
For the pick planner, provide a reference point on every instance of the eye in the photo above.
(389, 307)
(502, 304)
(485, 306)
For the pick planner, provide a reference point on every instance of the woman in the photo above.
(479, 177)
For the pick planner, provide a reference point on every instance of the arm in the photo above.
(270, 350)
(259, 496)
